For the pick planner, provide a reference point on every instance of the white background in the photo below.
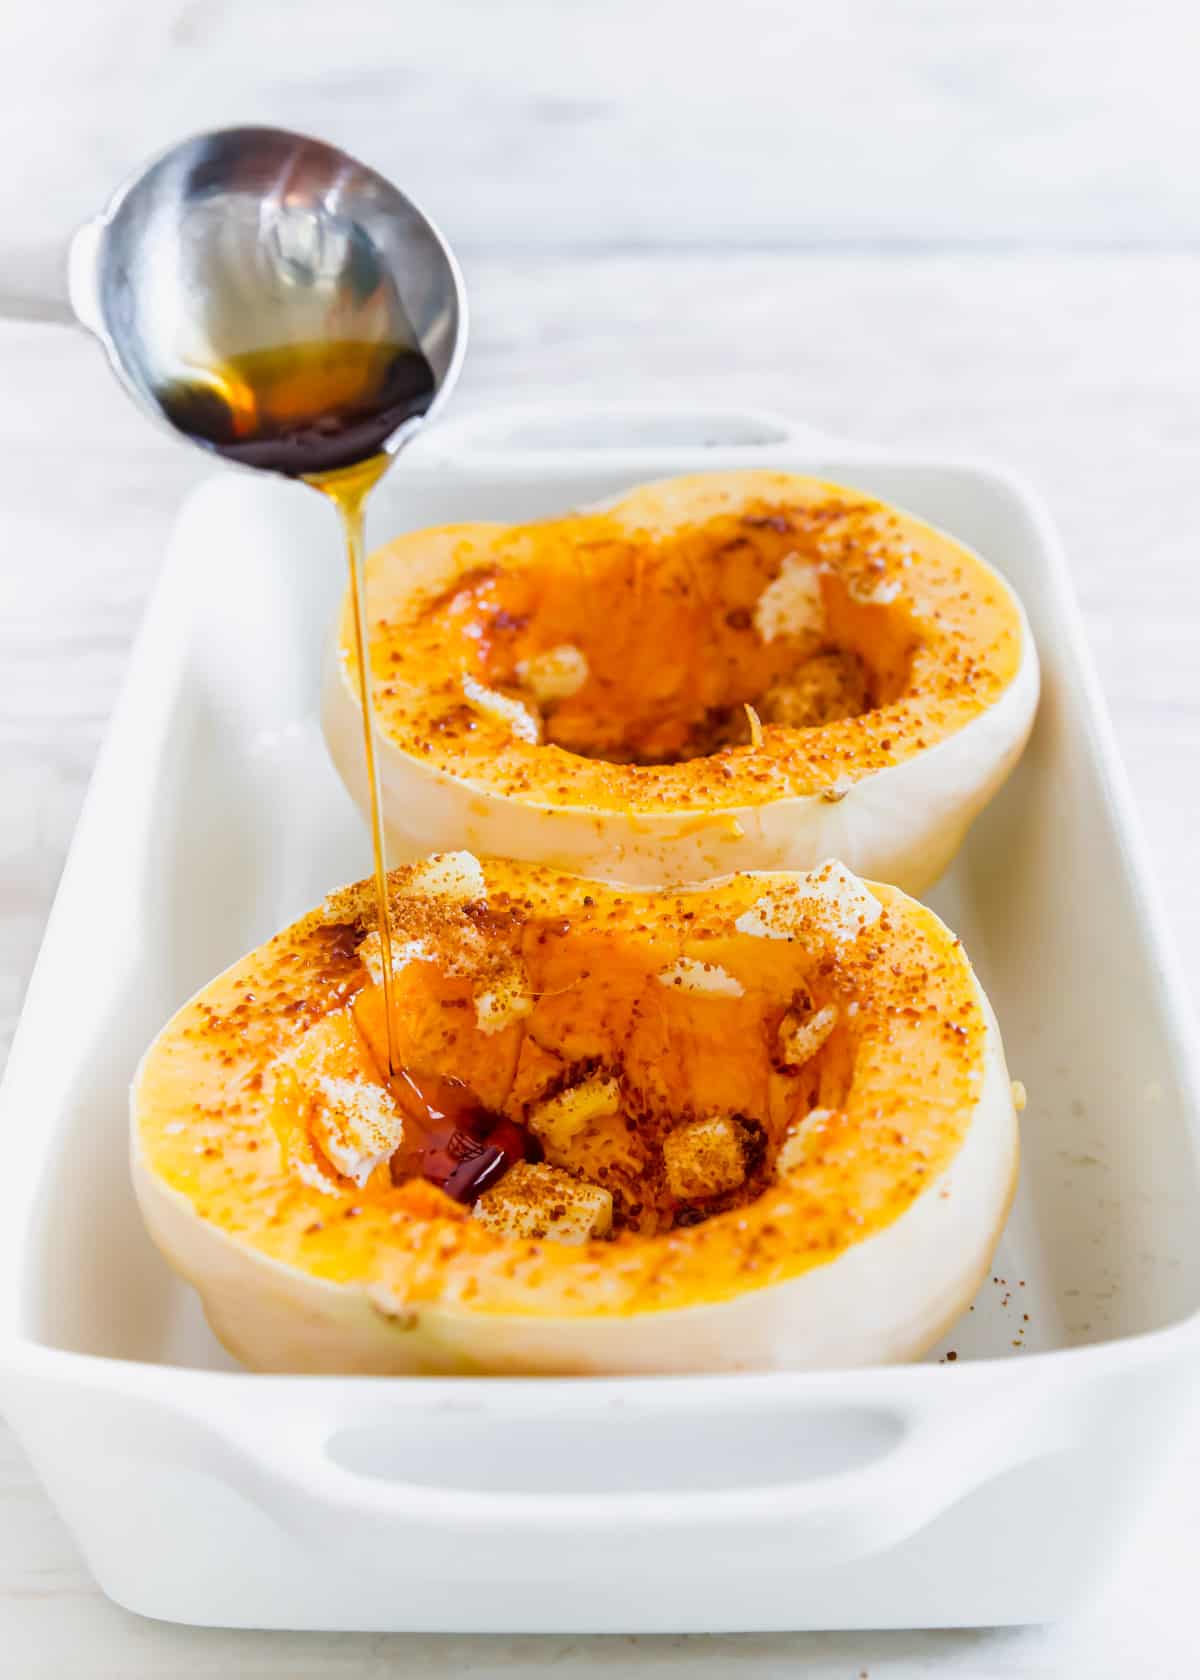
(945, 225)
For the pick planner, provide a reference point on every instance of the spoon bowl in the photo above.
(273, 300)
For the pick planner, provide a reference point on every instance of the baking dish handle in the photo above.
(500, 437)
(931, 1457)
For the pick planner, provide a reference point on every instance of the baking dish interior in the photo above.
(226, 820)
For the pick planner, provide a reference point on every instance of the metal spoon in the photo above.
(279, 303)
(273, 300)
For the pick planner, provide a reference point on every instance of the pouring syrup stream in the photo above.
(321, 413)
(348, 490)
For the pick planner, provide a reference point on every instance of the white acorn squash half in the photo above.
(745, 670)
(760, 1123)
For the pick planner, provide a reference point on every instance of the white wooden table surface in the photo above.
(944, 226)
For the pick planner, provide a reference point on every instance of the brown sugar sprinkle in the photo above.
(649, 713)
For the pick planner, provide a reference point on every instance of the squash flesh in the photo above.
(901, 1074)
(659, 594)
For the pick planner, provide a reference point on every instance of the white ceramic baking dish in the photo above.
(991, 1489)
